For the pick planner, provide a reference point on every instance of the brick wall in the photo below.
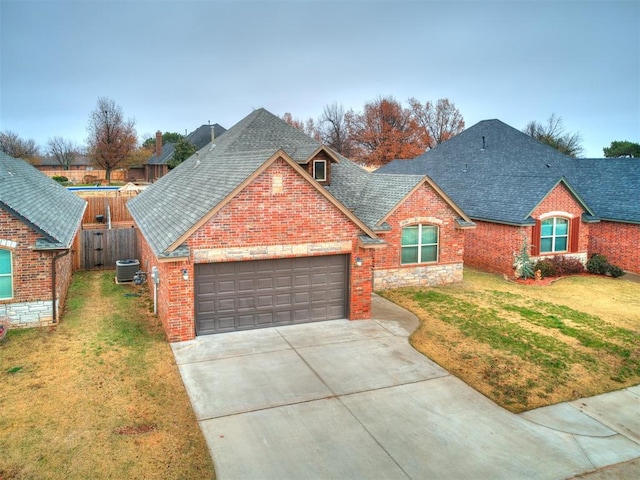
(619, 242)
(277, 214)
(493, 246)
(31, 303)
(433, 210)
(561, 200)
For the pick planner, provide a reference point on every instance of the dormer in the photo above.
(318, 165)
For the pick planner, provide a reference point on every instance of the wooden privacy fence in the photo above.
(100, 248)
(114, 206)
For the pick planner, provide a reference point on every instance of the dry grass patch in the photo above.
(527, 346)
(99, 396)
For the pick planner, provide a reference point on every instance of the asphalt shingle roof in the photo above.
(199, 138)
(169, 208)
(40, 202)
(493, 171)
(610, 186)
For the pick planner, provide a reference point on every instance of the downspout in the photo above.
(53, 282)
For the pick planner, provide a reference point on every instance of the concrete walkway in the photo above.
(353, 400)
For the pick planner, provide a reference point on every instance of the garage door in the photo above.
(264, 293)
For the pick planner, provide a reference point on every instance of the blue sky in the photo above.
(174, 65)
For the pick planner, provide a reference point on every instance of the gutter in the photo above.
(53, 282)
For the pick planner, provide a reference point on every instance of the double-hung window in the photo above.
(6, 274)
(554, 235)
(419, 244)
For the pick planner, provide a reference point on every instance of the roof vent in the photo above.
(483, 143)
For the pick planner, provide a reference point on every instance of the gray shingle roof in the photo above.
(610, 186)
(502, 182)
(199, 138)
(369, 196)
(40, 202)
(169, 208)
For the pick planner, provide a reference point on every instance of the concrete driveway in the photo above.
(347, 400)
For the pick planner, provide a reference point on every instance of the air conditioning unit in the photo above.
(126, 270)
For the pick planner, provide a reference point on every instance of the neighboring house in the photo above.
(157, 165)
(516, 189)
(48, 163)
(269, 227)
(39, 221)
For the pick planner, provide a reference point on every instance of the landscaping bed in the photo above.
(525, 346)
(98, 396)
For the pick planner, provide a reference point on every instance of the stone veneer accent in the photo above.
(262, 252)
(423, 276)
(28, 314)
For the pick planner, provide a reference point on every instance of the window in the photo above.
(419, 244)
(554, 235)
(6, 275)
(320, 170)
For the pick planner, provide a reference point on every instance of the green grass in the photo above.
(527, 346)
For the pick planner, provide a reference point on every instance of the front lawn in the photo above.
(527, 346)
(98, 396)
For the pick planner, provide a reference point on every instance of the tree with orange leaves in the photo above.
(385, 131)
(436, 123)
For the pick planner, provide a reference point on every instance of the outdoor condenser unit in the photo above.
(126, 269)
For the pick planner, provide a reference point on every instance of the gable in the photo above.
(561, 198)
(278, 206)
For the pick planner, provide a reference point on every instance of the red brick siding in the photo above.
(492, 246)
(561, 200)
(32, 269)
(423, 203)
(257, 216)
(619, 242)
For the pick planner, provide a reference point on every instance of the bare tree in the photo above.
(16, 147)
(333, 129)
(112, 139)
(437, 123)
(553, 134)
(63, 150)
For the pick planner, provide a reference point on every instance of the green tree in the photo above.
(553, 133)
(622, 148)
(167, 137)
(183, 150)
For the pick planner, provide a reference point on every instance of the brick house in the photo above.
(517, 189)
(269, 227)
(157, 165)
(39, 220)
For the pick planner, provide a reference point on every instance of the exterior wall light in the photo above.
(185, 274)
(358, 262)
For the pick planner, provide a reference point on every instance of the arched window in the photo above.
(419, 244)
(554, 235)
(6, 274)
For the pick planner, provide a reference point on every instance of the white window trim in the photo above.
(10, 274)
(325, 170)
(553, 235)
(420, 245)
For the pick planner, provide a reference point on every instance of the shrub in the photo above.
(547, 269)
(60, 178)
(598, 264)
(523, 266)
(567, 265)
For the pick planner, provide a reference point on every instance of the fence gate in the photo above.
(101, 247)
